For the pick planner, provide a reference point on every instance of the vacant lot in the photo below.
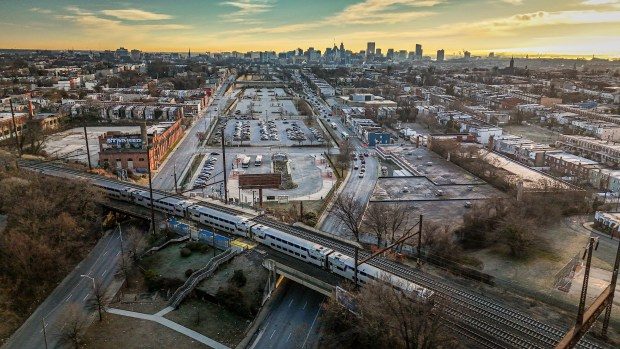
(211, 320)
(117, 331)
(533, 133)
(169, 264)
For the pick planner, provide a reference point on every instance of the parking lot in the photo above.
(271, 133)
(427, 163)
(422, 189)
(265, 103)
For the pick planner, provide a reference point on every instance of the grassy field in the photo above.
(169, 264)
(211, 320)
(533, 133)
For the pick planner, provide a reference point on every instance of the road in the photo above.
(102, 264)
(360, 188)
(179, 159)
(292, 322)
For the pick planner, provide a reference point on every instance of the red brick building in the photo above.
(129, 150)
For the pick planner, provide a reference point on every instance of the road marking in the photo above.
(272, 333)
(67, 299)
(289, 336)
(105, 271)
(86, 296)
(106, 252)
(117, 253)
(305, 305)
(289, 303)
(310, 329)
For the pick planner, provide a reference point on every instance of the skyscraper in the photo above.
(440, 55)
(418, 51)
(390, 53)
(370, 49)
(378, 52)
(467, 55)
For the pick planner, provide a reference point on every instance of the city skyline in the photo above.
(520, 27)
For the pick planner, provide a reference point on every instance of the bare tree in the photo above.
(350, 212)
(344, 157)
(98, 299)
(386, 220)
(386, 317)
(135, 242)
(74, 326)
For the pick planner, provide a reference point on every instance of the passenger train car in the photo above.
(286, 243)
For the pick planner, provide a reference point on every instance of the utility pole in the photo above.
(19, 150)
(356, 265)
(148, 160)
(90, 167)
(420, 242)
(586, 277)
(224, 164)
(612, 285)
(176, 189)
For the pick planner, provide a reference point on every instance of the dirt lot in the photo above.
(168, 262)
(117, 331)
(251, 264)
(533, 133)
(213, 321)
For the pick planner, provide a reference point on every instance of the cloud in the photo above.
(41, 10)
(249, 6)
(93, 22)
(600, 2)
(136, 15)
(513, 2)
(245, 11)
(384, 11)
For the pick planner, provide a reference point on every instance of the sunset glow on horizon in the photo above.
(522, 27)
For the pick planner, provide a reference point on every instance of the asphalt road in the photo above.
(292, 322)
(360, 188)
(179, 159)
(102, 264)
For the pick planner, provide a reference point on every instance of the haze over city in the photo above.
(520, 27)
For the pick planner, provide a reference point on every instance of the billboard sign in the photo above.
(260, 181)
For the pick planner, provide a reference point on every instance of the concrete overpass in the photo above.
(277, 268)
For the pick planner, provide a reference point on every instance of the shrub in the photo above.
(186, 252)
(233, 299)
(238, 279)
(197, 246)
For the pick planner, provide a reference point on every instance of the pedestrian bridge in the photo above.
(280, 269)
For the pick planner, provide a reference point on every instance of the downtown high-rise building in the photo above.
(370, 49)
(418, 51)
(390, 53)
(440, 55)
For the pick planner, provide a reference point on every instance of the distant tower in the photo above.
(189, 53)
(341, 46)
(512, 63)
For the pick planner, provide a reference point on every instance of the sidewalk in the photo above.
(170, 324)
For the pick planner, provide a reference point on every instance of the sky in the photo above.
(534, 27)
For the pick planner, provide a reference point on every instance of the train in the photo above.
(294, 246)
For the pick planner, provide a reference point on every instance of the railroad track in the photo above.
(477, 317)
